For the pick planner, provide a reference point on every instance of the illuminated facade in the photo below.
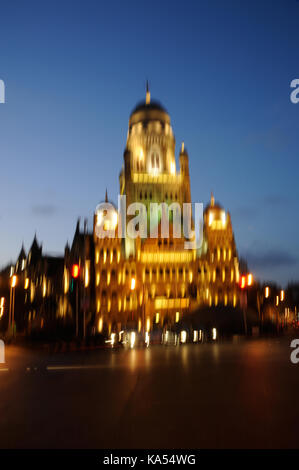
(144, 282)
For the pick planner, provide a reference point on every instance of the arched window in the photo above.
(155, 161)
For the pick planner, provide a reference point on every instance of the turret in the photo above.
(184, 167)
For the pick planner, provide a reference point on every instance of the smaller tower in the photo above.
(184, 166)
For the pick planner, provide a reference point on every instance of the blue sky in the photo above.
(73, 72)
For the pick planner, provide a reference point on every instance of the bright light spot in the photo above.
(75, 271)
(183, 336)
(177, 317)
(195, 336)
(2, 301)
(26, 284)
(133, 283)
(157, 317)
(282, 295)
(99, 218)
(243, 282)
(147, 339)
(114, 220)
(132, 339)
(267, 292)
(86, 281)
(214, 334)
(13, 281)
(249, 280)
(223, 218)
(172, 168)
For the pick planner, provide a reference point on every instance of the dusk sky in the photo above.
(74, 70)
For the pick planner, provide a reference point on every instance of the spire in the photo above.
(106, 196)
(183, 147)
(34, 243)
(22, 254)
(148, 95)
(212, 200)
(78, 226)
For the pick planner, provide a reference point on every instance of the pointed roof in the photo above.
(35, 246)
(22, 254)
(183, 150)
(212, 203)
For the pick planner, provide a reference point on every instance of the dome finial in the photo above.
(183, 147)
(106, 196)
(212, 199)
(148, 95)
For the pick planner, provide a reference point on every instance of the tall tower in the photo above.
(149, 174)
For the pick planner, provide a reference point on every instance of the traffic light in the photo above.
(75, 271)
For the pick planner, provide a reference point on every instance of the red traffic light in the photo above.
(75, 271)
(243, 282)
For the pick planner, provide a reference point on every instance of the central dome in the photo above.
(149, 111)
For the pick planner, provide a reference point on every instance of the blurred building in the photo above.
(149, 282)
(121, 282)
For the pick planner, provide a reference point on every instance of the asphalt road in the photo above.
(230, 395)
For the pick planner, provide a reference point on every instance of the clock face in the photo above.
(154, 161)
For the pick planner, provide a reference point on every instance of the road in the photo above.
(230, 395)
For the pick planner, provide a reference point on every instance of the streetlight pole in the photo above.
(9, 312)
(13, 311)
(76, 278)
(11, 317)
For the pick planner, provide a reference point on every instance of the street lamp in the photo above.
(13, 284)
(245, 281)
(75, 275)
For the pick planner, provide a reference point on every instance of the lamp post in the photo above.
(245, 282)
(75, 275)
(11, 315)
